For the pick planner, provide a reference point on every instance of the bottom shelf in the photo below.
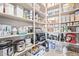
(27, 48)
(53, 53)
(58, 53)
(40, 42)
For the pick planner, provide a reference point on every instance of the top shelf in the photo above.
(17, 35)
(15, 17)
(29, 6)
(18, 18)
(54, 7)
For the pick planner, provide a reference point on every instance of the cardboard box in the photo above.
(67, 18)
(72, 17)
(76, 5)
(63, 19)
(77, 16)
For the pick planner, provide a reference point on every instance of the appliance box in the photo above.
(19, 11)
(1, 7)
(9, 9)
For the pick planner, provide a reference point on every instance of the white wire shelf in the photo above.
(29, 6)
(62, 32)
(11, 17)
(27, 48)
(21, 19)
(9, 36)
(40, 42)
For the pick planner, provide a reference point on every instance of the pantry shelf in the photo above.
(30, 7)
(15, 18)
(42, 23)
(74, 26)
(42, 14)
(27, 6)
(27, 48)
(19, 18)
(54, 7)
(65, 13)
(66, 43)
(62, 22)
(10, 36)
(69, 12)
(69, 32)
(40, 42)
(62, 32)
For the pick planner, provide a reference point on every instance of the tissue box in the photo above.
(18, 11)
(9, 9)
(1, 7)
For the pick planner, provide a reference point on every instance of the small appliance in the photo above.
(46, 45)
(6, 48)
(71, 37)
(40, 36)
(28, 40)
(19, 45)
(61, 37)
